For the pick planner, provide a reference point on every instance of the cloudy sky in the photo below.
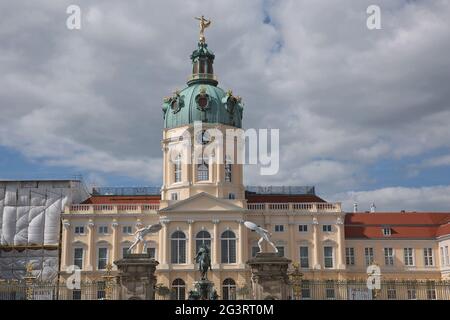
(364, 115)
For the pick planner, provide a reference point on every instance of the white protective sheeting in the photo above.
(35, 229)
(2, 205)
(9, 225)
(51, 229)
(45, 264)
(21, 234)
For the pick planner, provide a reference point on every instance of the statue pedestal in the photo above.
(137, 277)
(269, 276)
(204, 289)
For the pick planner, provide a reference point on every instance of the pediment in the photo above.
(203, 202)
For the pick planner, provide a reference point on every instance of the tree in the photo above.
(162, 290)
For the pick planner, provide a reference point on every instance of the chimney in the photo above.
(373, 208)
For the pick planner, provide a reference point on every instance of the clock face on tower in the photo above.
(203, 137)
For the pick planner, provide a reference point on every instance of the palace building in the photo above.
(206, 202)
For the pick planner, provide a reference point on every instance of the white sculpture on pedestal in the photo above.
(141, 233)
(263, 233)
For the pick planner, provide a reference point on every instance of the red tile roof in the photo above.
(404, 225)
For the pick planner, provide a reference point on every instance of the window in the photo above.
(152, 252)
(326, 228)
(431, 290)
(303, 228)
(76, 294)
(203, 237)
(203, 170)
(411, 290)
(102, 258)
(350, 256)
(255, 250)
(78, 257)
(179, 289)
(79, 230)
(279, 228)
(228, 168)
(178, 247)
(124, 251)
(306, 289)
(408, 256)
(389, 256)
(391, 291)
(446, 257)
(280, 250)
(177, 168)
(442, 257)
(329, 289)
(304, 257)
(387, 232)
(103, 229)
(368, 254)
(428, 257)
(229, 289)
(231, 196)
(174, 196)
(328, 257)
(101, 293)
(228, 247)
(127, 230)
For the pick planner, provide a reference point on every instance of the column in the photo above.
(164, 243)
(340, 251)
(268, 227)
(115, 243)
(216, 241)
(190, 242)
(316, 264)
(292, 246)
(91, 249)
(241, 242)
(66, 246)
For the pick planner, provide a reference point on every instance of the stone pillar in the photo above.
(341, 244)
(66, 247)
(242, 241)
(164, 243)
(190, 242)
(91, 249)
(216, 243)
(115, 244)
(316, 264)
(270, 280)
(292, 246)
(136, 277)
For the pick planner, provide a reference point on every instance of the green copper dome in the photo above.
(202, 100)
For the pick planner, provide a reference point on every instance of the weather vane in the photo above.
(204, 23)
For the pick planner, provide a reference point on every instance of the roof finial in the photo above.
(204, 23)
(373, 208)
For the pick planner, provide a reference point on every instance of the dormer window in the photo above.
(387, 232)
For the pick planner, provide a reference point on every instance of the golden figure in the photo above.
(204, 23)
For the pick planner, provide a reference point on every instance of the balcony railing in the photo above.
(297, 207)
(113, 208)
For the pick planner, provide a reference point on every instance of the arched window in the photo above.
(228, 247)
(203, 170)
(177, 168)
(229, 289)
(179, 289)
(228, 168)
(203, 237)
(178, 247)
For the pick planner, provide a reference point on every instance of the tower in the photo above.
(196, 156)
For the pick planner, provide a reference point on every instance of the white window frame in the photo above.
(231, 196)
(279, 228)
(408, 257)
(304, 257)
(100, 231)
(82, 256)
(79, 233)
(98, 256)
(350, 256)
(389, 256)
(303, 226)
(327, 228)
(428, 256)
(369, 256)
(174, 196)
(177, 169)
(387, 232)
(126, 232)
(328, 257)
